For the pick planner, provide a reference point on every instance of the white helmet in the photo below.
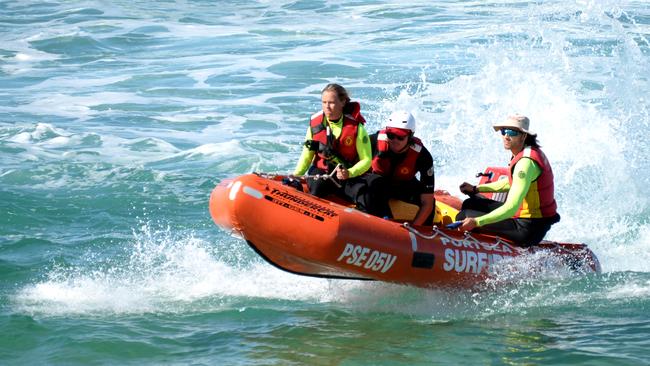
(401, 119)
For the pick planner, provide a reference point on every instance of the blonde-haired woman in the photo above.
(337, 141)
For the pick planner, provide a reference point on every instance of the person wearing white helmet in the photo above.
(399, 157)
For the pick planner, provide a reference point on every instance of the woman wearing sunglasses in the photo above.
(397, 157)
(337, 142)
(530, 209)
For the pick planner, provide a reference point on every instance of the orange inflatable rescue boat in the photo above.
(310, 236)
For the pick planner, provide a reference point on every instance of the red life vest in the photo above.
(403, 171)
(345, 146)
(540, 200)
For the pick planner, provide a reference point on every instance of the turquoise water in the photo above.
(118, 118)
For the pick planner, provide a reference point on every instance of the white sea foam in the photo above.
(25, 59)
(77, 107)
(629, 291)
(67, 83)
(164, 272)
(168, 272)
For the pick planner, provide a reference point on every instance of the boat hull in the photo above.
(306, 235)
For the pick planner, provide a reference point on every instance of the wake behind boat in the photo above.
(307, 235)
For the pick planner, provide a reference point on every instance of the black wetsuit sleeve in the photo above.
(424, 165)
(373, 143)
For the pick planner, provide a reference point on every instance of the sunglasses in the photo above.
(510, 132)
(392, 136)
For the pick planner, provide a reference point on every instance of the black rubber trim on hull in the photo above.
(259, 252)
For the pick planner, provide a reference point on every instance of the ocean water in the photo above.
(117, 118)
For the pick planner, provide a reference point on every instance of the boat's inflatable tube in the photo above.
(306, 235)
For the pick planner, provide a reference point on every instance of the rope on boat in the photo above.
(423, 236)
(468, 236)
(329, 176)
